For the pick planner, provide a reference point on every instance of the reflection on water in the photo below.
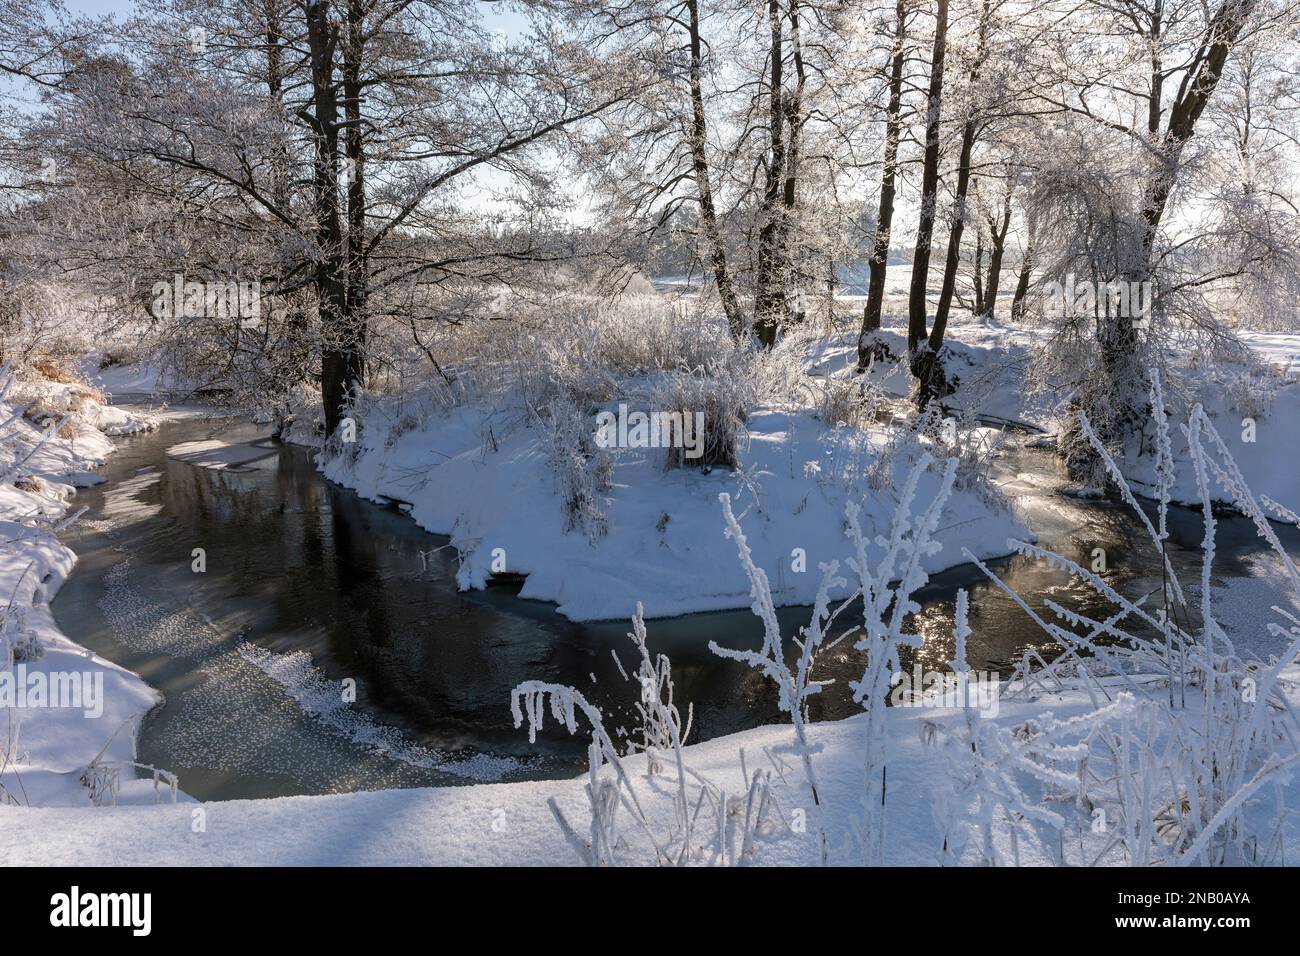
(308, 587)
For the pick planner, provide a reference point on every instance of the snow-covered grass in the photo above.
(1108, 762)
(502, 456)
(1129, 759)
(1183, 754)
(52, 433)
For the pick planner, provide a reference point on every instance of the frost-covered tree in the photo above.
(329, 149)
(1135, 97)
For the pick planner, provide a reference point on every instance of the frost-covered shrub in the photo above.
(337, 449)
(853, 402)
(118, 354)
(103, 779)
(724, 403)
(44, 324)
(974, 447)
(409, 416)
(573, 345)
(1191, 773)
(583, 470)
(704, 824)
(661, 727)
(1250, 391)
(904, 441)
(296, 414)
(18, 642)
(586, 348)
(794, 687)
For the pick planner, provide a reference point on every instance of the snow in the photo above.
(1255, 408)
(664, 546)
(987, 359)
(51, 746)
(125, 378)
(502, 494)
(512, 825)
(1256, 412)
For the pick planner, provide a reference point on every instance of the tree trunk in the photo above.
(358, 260)
(341, 362)
(933, 380)
(998, 244)
(869, 344)
(700, 164)
(1117, 336)
(1026, 270)
(917, 311)
(294, 337)
(793, 106)
(769, 292)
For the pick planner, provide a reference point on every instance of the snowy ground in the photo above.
(664, 546)
(512, 824)
(45, 749)
(505, 498)
(492, 824)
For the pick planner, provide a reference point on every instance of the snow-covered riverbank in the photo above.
(62, 708)
(662, 539)
(514, 823)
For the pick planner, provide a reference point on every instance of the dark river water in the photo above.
(307, 586)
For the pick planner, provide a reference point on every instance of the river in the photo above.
(307, 586)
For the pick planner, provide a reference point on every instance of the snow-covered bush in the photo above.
(591, 350)
(42, 323)
(583, 470)
(974, 447)
(574, 345)
(609, 784)
(661, 721)
(886, 591)
(13, 628)
(1026, 779)
(1250, 390)
(904, 440)
(724, 402)
(1192, 773)
(18, 642)
(104, 781)
(853, 402)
